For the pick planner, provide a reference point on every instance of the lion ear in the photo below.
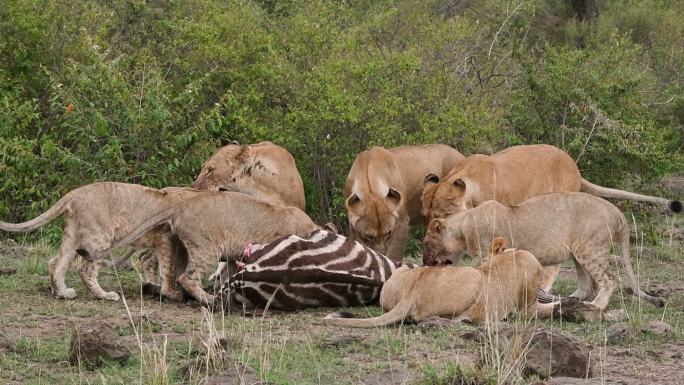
(353, 203)
(459, 184)
(431, 179)
(498, 245)
(437, 225)
(394, 197)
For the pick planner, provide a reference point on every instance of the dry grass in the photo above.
(185, 344)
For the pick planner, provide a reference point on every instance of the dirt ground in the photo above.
(294, 348)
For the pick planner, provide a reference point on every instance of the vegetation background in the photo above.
(144, 91)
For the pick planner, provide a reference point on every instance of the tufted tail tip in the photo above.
(339, 314)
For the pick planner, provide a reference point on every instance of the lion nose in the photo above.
(428, 259)
(380, 246)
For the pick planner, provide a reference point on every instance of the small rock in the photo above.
(90, 344)
(617, 333)
(6, 342)
(551, 354)
(340, 340)
(573, 310)
(9, 242)
(622, 352)
(476, 335)
(657, 327)
(616, 315)
(657, 290)
(436, 322)
(185, 368)
(7, 270)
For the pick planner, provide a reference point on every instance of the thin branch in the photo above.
(508, 17)
(591, 133)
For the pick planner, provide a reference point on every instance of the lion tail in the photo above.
(605, 192)
(117, 262)
(623, 238)
(53, 212)
(396, 315)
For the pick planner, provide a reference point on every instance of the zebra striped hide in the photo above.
(324, 269)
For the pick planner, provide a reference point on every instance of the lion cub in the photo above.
(211, 226)
(95, 216)
(508, 281)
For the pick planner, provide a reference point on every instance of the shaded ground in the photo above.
(294, 348)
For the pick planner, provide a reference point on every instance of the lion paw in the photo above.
(111, 296)
(68, 293)
(208, 300)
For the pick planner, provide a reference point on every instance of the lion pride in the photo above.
(383, 189)
(510, 177)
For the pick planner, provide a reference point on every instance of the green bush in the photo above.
(145, 91)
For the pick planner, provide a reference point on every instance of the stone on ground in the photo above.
(550, 354)
(91, 344)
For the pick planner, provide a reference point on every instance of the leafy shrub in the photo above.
(144, 92)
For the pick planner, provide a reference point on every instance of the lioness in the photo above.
(97, 215)
(554, 227)
(208, 234)
(512, 176)
(262, 170)
(507, 282)
(382, 193)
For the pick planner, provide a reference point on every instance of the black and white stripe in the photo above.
(324, 269)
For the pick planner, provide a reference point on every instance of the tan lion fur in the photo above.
(507, 282)
(554, 227)
(96, 216)
(262, 170)
(382, 193)
(512, 176)
(210, 226)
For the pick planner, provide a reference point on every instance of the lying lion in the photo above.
(554, 228)
(211, 226)
(507, 282)
(96, 216)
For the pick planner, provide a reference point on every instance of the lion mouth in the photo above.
(433, 259)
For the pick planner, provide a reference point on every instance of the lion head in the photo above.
(374, 217)
(224, 168)
(443, 198)
(440, 245)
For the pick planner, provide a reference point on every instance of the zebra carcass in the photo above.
(323, 269)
